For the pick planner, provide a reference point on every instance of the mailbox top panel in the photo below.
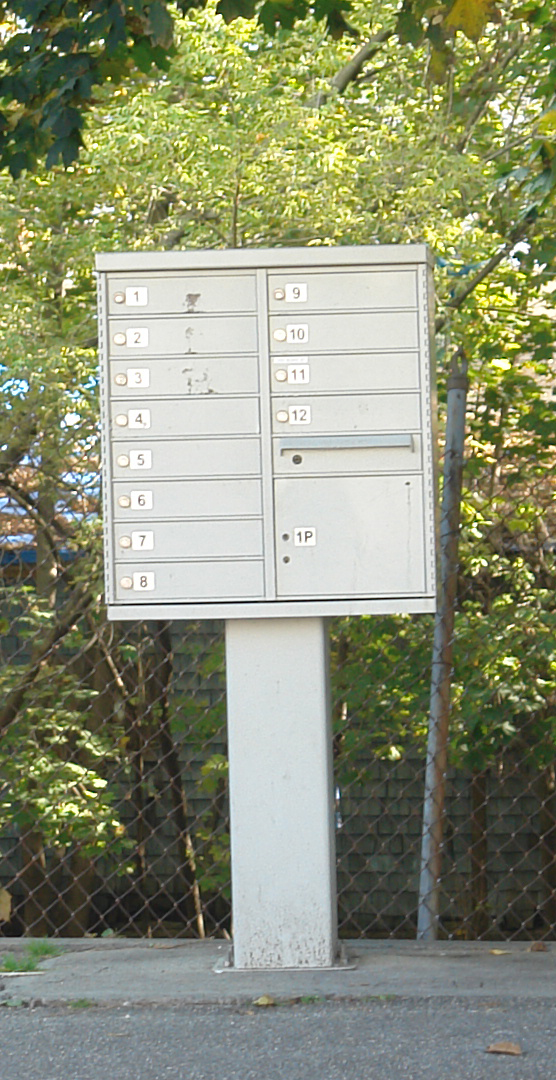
(261, 258)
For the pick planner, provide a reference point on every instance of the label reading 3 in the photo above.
(299, 414)
(138, 376)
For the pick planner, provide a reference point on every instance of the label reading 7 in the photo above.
(142, 541)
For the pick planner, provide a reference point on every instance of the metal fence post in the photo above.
(435, 774)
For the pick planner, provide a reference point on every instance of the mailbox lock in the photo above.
(285, 536)
(119, 298)
(119, 339)
(123, 461)
(124, 501)
(281, 375)
(297, 459)
(121, 420)
(125, 541)
(279, 294)
(282, 416)
(286, 558)
(280, 334)
(126, 582)
(120, 379)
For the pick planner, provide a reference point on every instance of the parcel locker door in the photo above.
(348, 536)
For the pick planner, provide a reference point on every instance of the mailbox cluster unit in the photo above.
(268, 433)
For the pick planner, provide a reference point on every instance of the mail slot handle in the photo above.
(343, 442)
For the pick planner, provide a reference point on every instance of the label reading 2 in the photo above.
(299, 414)
(137, 337)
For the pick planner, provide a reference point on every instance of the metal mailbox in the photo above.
(268, 432)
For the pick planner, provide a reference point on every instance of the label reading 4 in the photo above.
(139, 418)
(137, 337)
(299, 414)
(304, 536)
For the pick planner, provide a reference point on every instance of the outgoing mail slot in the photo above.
(190, 416)
(388, 453)
(187, 293)
(185, 378)
(368, 534)
(187, 458)
(177, 499)
(338, 333)
(211, 580)
(347, 372)
(329, 290)
(185, 337)
(191, 539)
(362, 412)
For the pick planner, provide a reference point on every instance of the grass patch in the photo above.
(80, 1003)
(34, 952)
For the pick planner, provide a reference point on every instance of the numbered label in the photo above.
(296, 293)
(137, 337)
(304, 536)
(142, 541)
(138, 376)
(137, 297)
(298, 373)
(139, 418)
(140, 459)
(141, 500)
(143, 581)
(297, 333)
(299, 414)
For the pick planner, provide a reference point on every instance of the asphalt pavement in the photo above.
(171, 1010)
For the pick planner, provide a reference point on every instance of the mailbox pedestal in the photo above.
(281, 793)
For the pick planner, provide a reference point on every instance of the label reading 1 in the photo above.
(296, 293)
(304, 536)
(143, 581)
(137, 297)
(299, 414)
(298, 373)
(141, 500)
(137, 337)
(142, 541)
(138, 376)
(140, 459)
(139, 418)
(297, 333)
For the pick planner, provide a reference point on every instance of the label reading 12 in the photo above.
(299, 414)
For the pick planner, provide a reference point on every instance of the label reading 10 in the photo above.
(297, 333)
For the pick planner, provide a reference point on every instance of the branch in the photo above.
(352, 69)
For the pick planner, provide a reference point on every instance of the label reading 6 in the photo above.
(141, 500)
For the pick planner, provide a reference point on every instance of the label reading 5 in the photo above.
(138, 376)
(142, 541)
(139, 418)
(140, 459)
(297, 333)
(141, 500)
(296, 293)
(143, 581)
(304, 536)
(137, 297)
(137, 337)
(299, 414)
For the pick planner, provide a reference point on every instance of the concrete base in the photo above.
(281, 794)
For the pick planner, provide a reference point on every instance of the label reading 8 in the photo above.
(141, 500)
(298, 373)
(305, 536)
(296, 293)
(139, 418)
(137, 297)
(143, 581)
(299, 414)
(140, 459)
(137, 337)
(297, 333)
(138, 376)
(142, 541)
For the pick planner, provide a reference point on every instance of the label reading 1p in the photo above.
(304, 536)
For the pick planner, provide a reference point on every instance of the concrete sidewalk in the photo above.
(172, 972)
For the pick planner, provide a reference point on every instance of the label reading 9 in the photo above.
(141, 500)
(297, 333)
(143, 581)
(296, 293)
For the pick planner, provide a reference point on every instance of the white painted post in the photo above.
(281, 793)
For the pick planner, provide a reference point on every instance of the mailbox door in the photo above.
(349, 536)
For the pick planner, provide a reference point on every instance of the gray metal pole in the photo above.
(435, 774)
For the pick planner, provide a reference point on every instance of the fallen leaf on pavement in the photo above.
(500, 952)
(538, 946)
(264, 1001)
(505, 1048)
